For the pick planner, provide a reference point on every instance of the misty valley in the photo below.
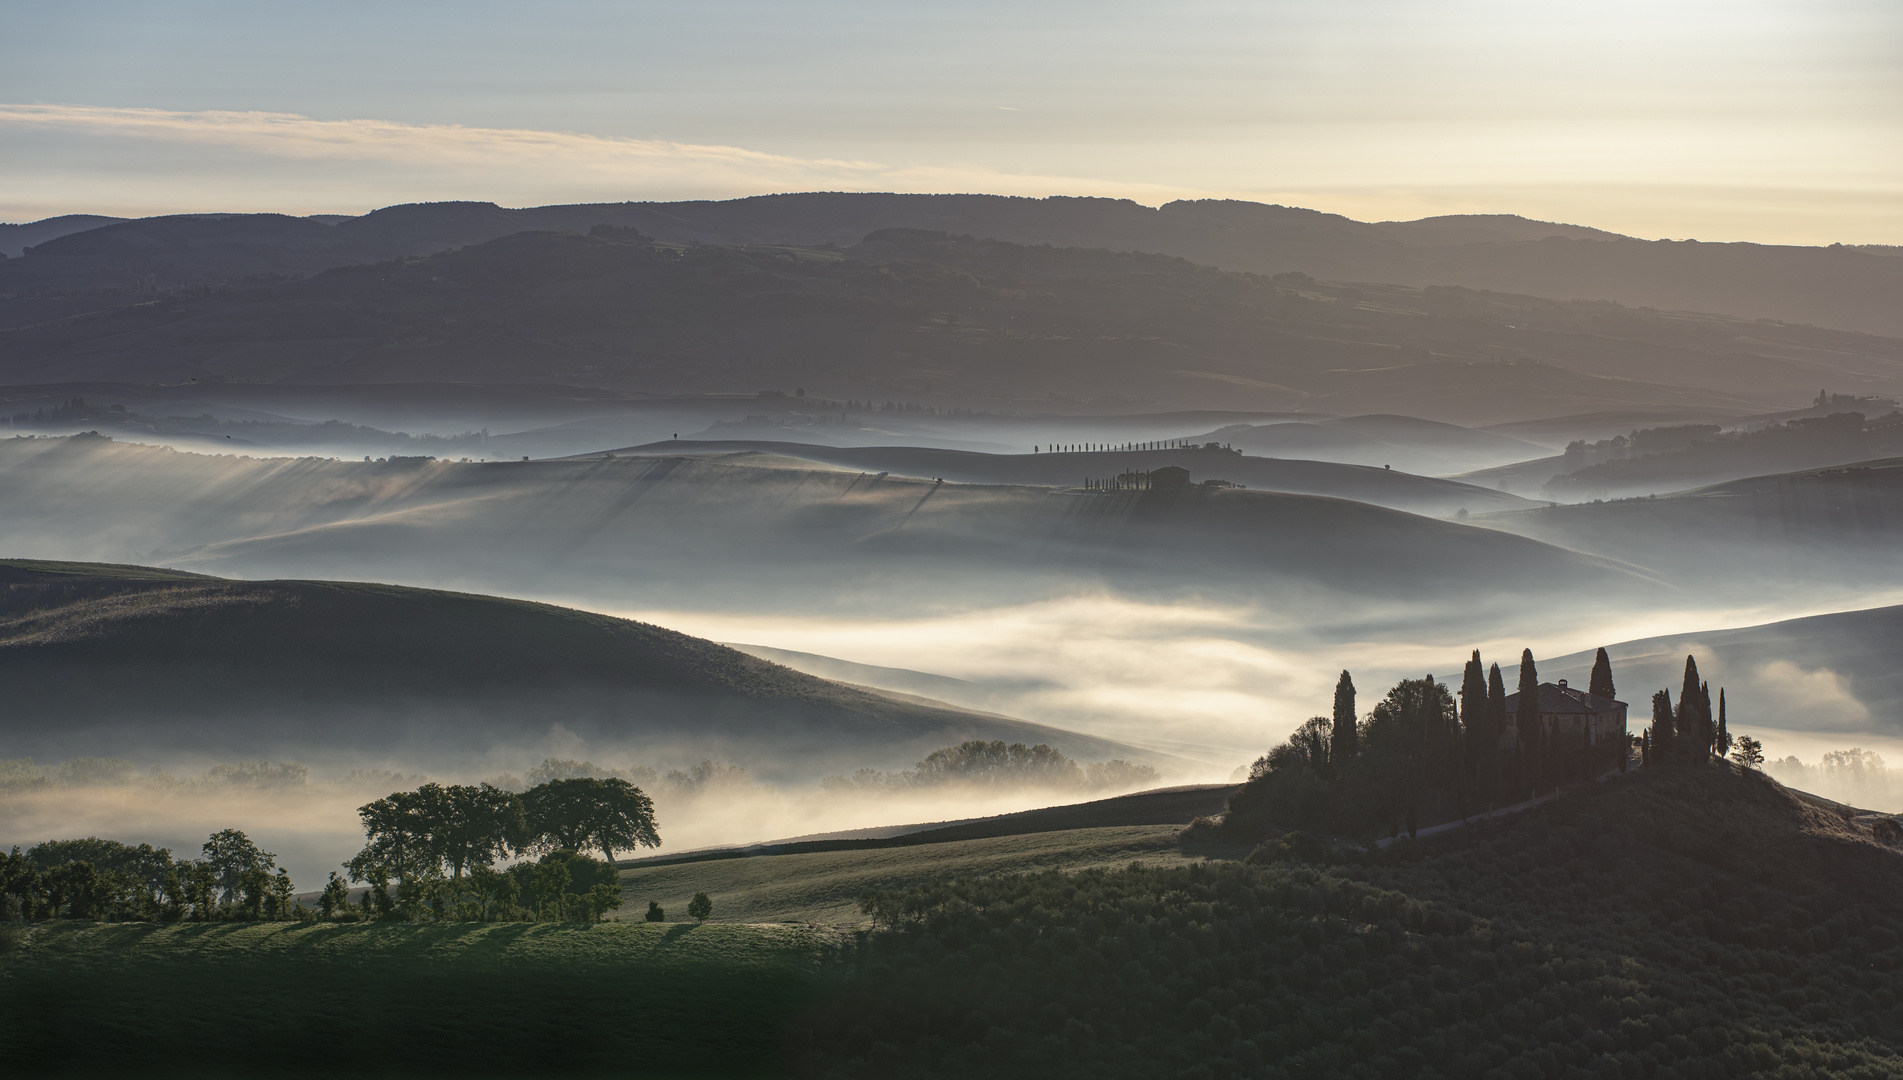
(839, 635)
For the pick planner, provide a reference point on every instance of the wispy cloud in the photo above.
(286, 161)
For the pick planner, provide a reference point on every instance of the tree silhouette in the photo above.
(1527, 725)
(585, 812)
(1342, 742)
(1599, 683)
(700, 907)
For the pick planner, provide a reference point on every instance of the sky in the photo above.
(1759, 120)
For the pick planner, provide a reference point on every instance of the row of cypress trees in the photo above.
(1693, 731)
(1464, 757)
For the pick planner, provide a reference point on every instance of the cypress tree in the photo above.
(1690, 732)
(1662, 733)
(1724, 736)
(1645, 748)
(1527, 719)
(1341, 739)
(1497, 724)
(1705, 714)
(1600, 683)
(1473, 725)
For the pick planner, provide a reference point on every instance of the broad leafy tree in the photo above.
(585, 813)
(235, 861)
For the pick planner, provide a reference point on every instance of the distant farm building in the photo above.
(1169, 476)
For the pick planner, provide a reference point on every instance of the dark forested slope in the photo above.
(1669, 923)
(926, 315)
(1835, 286)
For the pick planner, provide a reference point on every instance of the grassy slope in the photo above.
(1362, 483)
(824, 887)
(102, 642)
(469, 1000)
(1839, 525)
(1664, 924)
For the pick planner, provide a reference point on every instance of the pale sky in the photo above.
(1736, 120)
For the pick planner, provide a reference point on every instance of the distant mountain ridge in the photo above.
(1839, 287)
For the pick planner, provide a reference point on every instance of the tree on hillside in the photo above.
(1497, 722)
(700, 907)
(1526, 722)
(1663, 735)
(1342, 743)
(1749, 753)
(1481, 739)
(1724, 733)
(336, 897)
(231, 856)
(582, 813)
(1599, 684)
(1690, 733)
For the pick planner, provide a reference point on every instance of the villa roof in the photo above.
(1566, 699)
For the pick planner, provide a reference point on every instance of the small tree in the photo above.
(282, 895)
(1748, 752)
(336, 896)
(655, 914)
(700, 907)
(601, 899)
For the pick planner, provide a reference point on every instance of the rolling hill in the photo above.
(754, 533)
(1362, 483)
(1418, 446)
(1758, 537)
(135, 660)
(1836, 672)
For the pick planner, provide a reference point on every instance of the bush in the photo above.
(655, 914)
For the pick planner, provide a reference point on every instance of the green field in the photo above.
(824, 887)
(397, 1000)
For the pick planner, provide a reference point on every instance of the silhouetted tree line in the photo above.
(1691, 732)
(1421, 755)
(105, 879)
(998, 764)
(437, 846)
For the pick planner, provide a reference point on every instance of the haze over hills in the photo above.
(1841, 287)
(1834, 673)
(749, 532)
(1760, 535)
(929, 318)
(1071, 468)
(154, 663)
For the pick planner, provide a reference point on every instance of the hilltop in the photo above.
(137, 659)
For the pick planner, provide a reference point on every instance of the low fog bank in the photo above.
(1221, 682)
(309, 819)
